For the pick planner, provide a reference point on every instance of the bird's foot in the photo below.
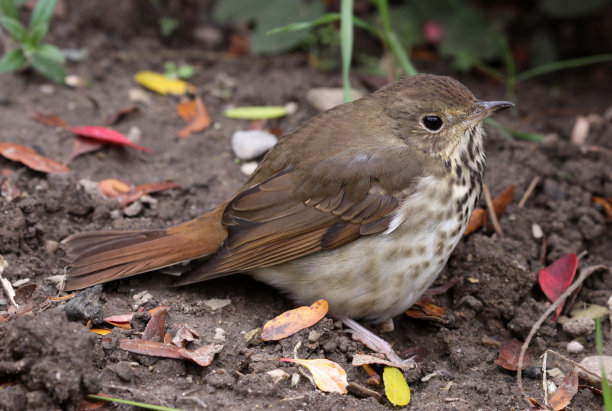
(376, 344)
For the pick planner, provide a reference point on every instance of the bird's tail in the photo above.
(101, 256)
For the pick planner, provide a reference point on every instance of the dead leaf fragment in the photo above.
(364, 359)
(200, 120)
(292, 321)
(83, 145)
(50, 120)
(479, 216)
(121, 114)
(327, 375)
(476, 220)
(606, 203)
(112, 187)
(202, 356)
(509, 356)
(31, 158)
(424, 310)
(562, 397)
(183, 334)
(157, 323)
(152, 348)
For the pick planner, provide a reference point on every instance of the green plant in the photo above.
(605, 386)
(174, 71)
(26, 45)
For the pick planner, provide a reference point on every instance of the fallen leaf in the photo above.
(327, 375)
(200, 120)
(187, 109)
(290, 322)
(112, 187)
(9, 191)
(184, 333)
(121, 114)
(239, 45)
(50, 120)
(155, 187)
(364, 359)
(566, 390)
(23, 296)
(428, 311)
(155, 326)
(152, 348)
(396, 388)
(557, 277)
(479, 216)
(160, 84)
(63, 298)
(100, 331)
(256, 112)
(202, 356)
(107, 135)
(125, 326)
(606, 204)
(122, 320)
(509, 355)
(31, 158)
(83, 145)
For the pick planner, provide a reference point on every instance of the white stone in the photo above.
(574, 347)
(219, 334)
(278, 375)
(324, 98)
(250, 144)
(249, 167)
(295, 380)
(137, 95)
(536, 231)
(217, 303)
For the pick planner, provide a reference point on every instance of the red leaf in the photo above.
(557, 277)
(152, 348)
(31, 158)
(155, 326)
(509, 356)
(107, 135)
(83, 145)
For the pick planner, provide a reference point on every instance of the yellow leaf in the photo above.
(160, 84)
(328, 375)
(396, 389)
(100, 331)
(256, 113)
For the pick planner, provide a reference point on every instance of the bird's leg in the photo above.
(375, 343)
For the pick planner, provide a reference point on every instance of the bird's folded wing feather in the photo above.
(268, 225)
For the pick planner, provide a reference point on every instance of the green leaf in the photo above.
(14, 27)
(324, 19)
(12, 61)
(167, 26)
(256, 113)
(8, 8)
(37, 34)
(396, 389)
(42, 12)
(47, 67)
(51, 52)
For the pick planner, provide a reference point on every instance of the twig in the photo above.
(528, 192)
(491, 211)
(584, 274)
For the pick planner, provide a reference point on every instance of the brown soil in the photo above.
(47, 362)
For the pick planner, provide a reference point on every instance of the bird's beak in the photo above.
(488, 108)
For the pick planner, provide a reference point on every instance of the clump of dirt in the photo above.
(48, 362)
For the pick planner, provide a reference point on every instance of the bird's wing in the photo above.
(269, 224)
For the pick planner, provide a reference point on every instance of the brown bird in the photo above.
(361, 205)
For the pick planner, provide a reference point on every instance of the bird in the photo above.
(361, 205)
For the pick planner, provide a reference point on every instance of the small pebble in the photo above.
(217, 303)
(574, 347)
(123, 369)
(580, 326)
(249, 167)
(219, 334)
(594, 365)
(295, 380)
(51, 246)
(472, 302)
(137, 95)
(135, 134)
(552, 387)
(250, 144)
(535, 373)
(47, 89)
(252, 336)
(278, 376)
(313, 336)
(536, 231)
(386, 326)
(324, 98)
(133, 209)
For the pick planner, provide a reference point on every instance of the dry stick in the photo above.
(584, 274)
(491, 210)
(528, 192)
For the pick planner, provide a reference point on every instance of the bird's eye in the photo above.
(433, 123)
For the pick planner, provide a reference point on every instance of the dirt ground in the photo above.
(48, 362)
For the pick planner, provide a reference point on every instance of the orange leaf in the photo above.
(565, 392)
(428, 311)
(187, 110)
(50, 120)
(156, 325)
(31, 158)
(329, 376)
(509, 356)
(476, 220)
(202, 356)
(83, 145)
(100, 331)
(65, 297)
(155, 187)
(112, 187)
(200, 122)
(152, 348)
(290, 322)
(124, 325)
(605, 203)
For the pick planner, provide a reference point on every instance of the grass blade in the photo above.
(133, 403)
(346, 43)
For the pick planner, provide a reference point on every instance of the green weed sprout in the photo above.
(25, 45)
